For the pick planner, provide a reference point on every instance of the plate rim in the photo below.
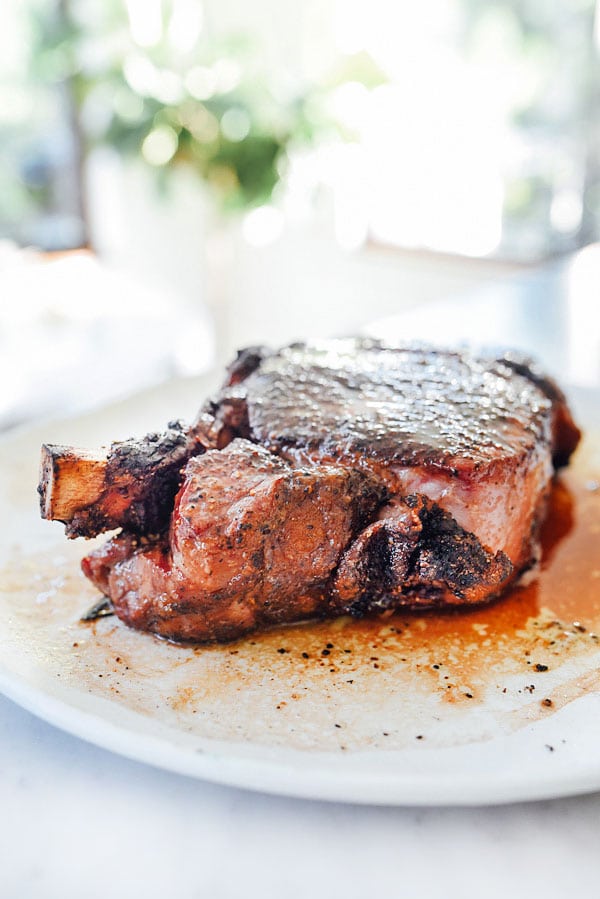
(274, 776)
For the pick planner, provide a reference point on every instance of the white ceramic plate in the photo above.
(403, 711)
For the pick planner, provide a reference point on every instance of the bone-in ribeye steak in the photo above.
(328, 478)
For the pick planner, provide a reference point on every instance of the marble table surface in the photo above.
(78, 821)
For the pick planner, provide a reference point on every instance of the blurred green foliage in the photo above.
(217, 103)
(214, 106)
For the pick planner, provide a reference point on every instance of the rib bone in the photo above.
(131, 485)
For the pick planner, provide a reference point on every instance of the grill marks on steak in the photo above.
(366, 478)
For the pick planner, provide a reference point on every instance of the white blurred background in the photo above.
(242, 173)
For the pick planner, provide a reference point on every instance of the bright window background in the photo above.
(485, 140)
(479, 135)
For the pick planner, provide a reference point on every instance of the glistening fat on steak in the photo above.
(368, 478)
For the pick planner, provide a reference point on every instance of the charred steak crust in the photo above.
(416, 556)
(358, 398)
(252, 541)
(565, 433)
(246, 361)
(280, 545)
(140, 482)
(338, 477)
(470, 433)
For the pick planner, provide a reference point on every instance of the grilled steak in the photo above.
(342, 477)
(252, 541)
(473, 435)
